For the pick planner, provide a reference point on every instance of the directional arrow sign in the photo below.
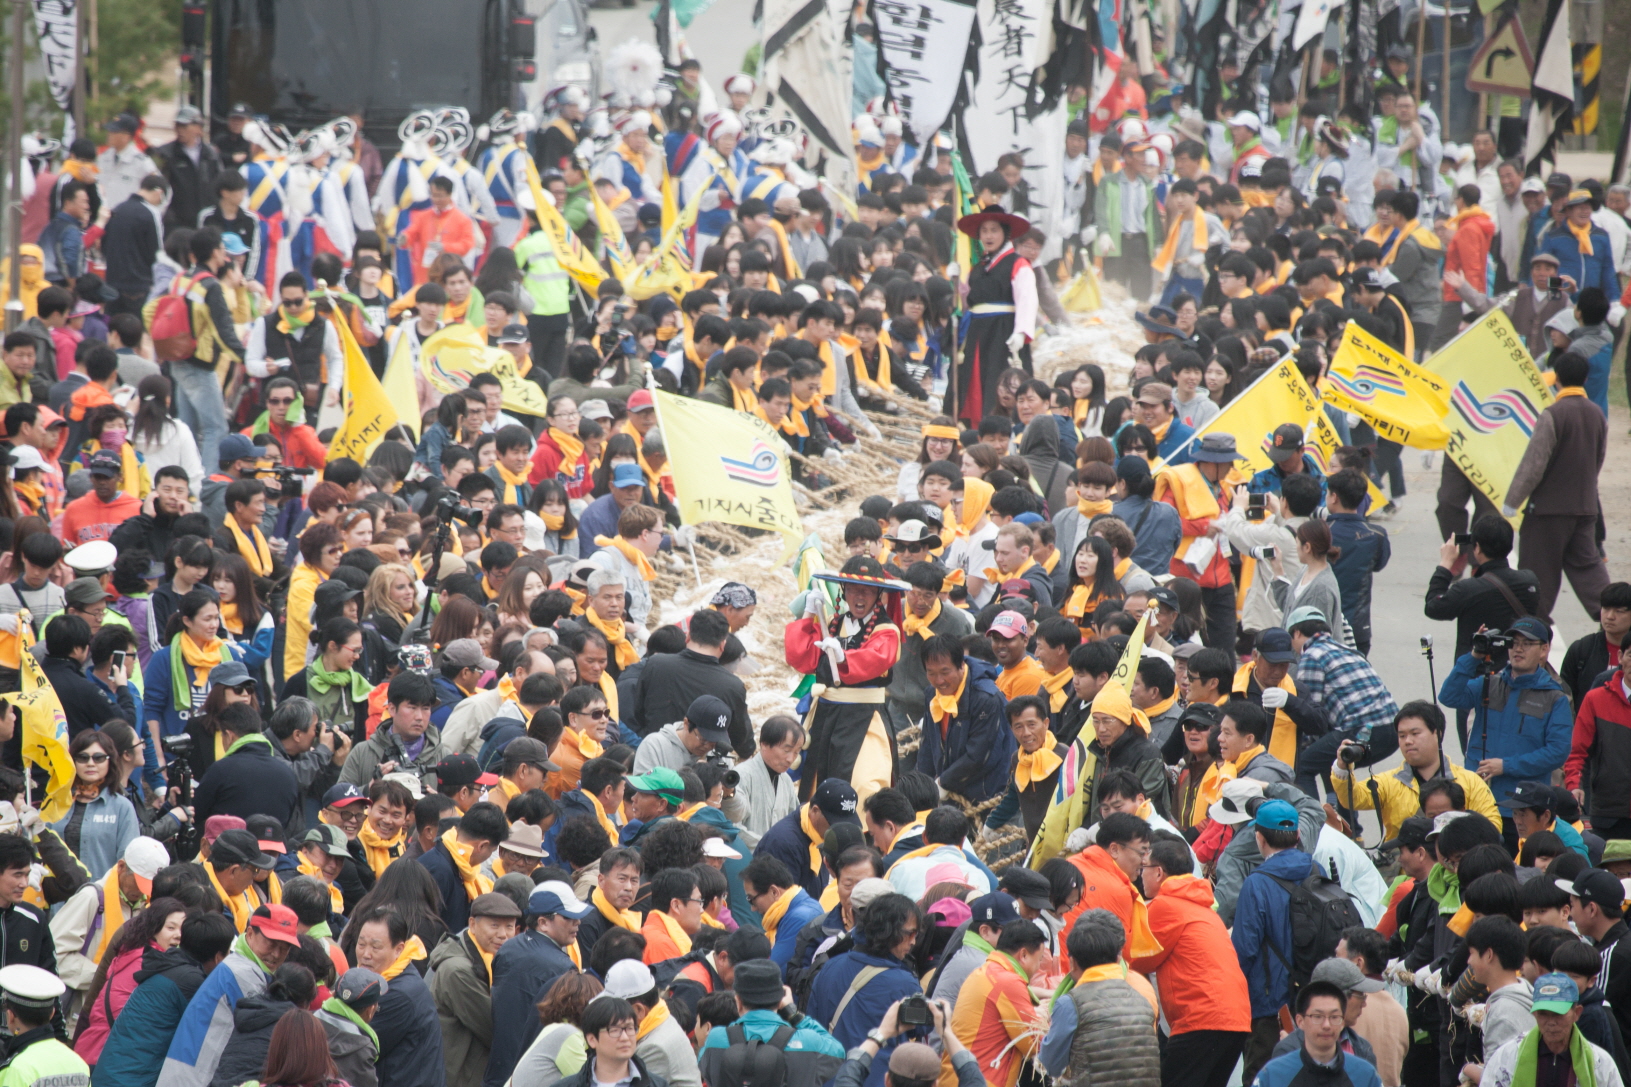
(1503, 64)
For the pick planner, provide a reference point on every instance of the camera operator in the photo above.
(1343, 684)
(912, 1063)
(704, 730)
(1522, 721)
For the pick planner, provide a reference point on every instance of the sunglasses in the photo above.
(595, 715)
(96, 758)
(913, 548)
(1193, 726)
(277, 400)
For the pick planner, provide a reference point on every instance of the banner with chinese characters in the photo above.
(923, 42)
(55, 22)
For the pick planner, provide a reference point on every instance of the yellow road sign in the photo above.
(1503, 64)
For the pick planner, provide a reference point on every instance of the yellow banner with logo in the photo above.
(368, 411)
(1280, 396)
(1400, 400)
(451, 357)
(1496, 395)
(1323, 443)
(574, 259)
(45, 728)
(728, 466)
(611, 237)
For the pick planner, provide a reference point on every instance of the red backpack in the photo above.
(170, 322)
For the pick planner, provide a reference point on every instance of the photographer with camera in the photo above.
(1419, 728)
(1268, 530)
(911, 1064)
(1522, 721)
(1342, 683)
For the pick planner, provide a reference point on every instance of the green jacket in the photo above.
(1107, 213)
(576, 211)
(545, 281)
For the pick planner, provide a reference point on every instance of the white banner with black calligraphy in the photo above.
(54, 22)
(806, 75)
(923, 44)
(997, 121)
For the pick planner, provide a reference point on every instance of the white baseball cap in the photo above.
(144, 857)
(716, 847)
(1230, 807)
(1246, 119)
(628, 979)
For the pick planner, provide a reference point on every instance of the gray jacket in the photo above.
(1323, 593)
(362, 765)
(316, 772)
(663, 748)
(1240, 857)
(761, 801)
(1418, 272)
(1114, 1044)
(1507, 1015)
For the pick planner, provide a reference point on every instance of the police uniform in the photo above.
(37, 1055)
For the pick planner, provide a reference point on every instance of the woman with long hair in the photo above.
(390, 600)
(356, 529)
(1191, 610)
(135, 774)
(527, 581)
(298, 1055)
(1317, 587)
(940, 436)
(1092, 581)
(156, 928)
(243, 619)
(160, 438)
(979, 460)
(107, 428)
(460, 617)
(549, 501)
(334, 681)
(555, 1053)
(1220, 377)
(850, 262)
(101, 821)
(407, 887)
(500, 272)
(176, 681)
(205, 725)
(320, 551)
(619, 449)
(1087, 391)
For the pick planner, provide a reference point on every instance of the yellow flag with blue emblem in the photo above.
(45, 728)
(1400, 400)
(451, 357)
(1279, 396)
(368, 411)
(728, 466)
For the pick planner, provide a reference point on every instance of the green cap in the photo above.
(661, 780)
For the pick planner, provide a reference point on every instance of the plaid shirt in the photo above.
(1343, 683)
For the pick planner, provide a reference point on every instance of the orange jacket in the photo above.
(992, 1018)
(300, 446)
(452, 229)
(1468, 251)
(660, 946)
(1107, 888)
(1200, 982)
(570, 760)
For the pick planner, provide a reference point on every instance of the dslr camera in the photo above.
(914, 1012)
(449, 510)
(1352, 753)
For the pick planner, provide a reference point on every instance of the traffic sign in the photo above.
(1503, 64)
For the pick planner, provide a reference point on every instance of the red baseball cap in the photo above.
(641, 401)
(277, 922)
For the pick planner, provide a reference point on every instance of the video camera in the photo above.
(288, 480)
(177, 748)
(1491, 647)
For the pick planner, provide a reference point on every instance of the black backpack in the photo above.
(1320, 911)
(752, 1063)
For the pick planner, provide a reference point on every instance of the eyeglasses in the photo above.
(333, 550)
(279, 400)
(595, 715)
(1323, 1017)
(914, 548)
(622, 1030)
(96, 758)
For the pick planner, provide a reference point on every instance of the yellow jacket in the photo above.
(1400, 794)
(303, 584)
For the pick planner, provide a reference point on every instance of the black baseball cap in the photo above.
(1532, 794)
(1593, 885)
(995, 909)
(240, 847)
(836, 799)
(711, 718)
(1287, 443)
(456, 771)
(1368, 279)
(1275, 645)
(1413, 834)
(1027, 886)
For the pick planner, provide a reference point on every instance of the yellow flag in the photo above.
(671, 201)
(368, 412)
(1496, 397)
(45, 728)
(451, 357)
(667, 269)
(1279, 396)
(398, 383)
(1323, 443)
(1403, 402)
(728, 466)
(611, 236)
(1127, 667)
(574, 259)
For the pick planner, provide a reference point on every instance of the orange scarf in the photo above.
(636, 557)
(253, 547)
(1169, 248)
(475, 884)
(1058, 688)
(379, 851)
(1582, 235)
(943, 707)
(1093, 509)
(915, 626)
(571, 448)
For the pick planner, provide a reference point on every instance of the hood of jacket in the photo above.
(983, 674)
(1590, 339)
(1189, 889)
(256, 1013)
(1041, 438)
(501, 721)
(181, 968)
(1538, 680)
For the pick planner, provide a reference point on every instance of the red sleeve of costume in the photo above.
(1389, 924)
(875, 657)
(1585, 734)
(546, 461)
(799, 645)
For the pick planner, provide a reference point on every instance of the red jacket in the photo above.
(871, 661)
(301, 449)
(548, 463)
(1197, 973)
(1468, 252)
(1602, 739)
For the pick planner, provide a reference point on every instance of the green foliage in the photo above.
(138, 40)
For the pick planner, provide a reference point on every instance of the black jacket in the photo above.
(130, 244)
(670, 682)
(313, 768)
(82, 703)
(245, 1055)
(455, 900)
(253, 780)
(585, 1076)
(523, 970)
(25, 938)
(151, 533)
(1615, 978)
(410, 1034)
(1583, 664)
(192, 186)
(1473, 602)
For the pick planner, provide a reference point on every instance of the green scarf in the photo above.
(181, 684)
(241, 946)
(1445, 889)
(336, 1006)
(320, 931)
(975, 940)
(1585, 1067)
(1388, 133)
(1066, 984)
(251, 738)
(296, 416)
(319, 680)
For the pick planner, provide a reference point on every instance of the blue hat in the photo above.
(549, 900)
(237, 447)
(1276, 815)
(1531, 628)
(1275, 645)
(628, 475)
(1556, 993)
(1029, 518)
(233, 244)
(995, 908)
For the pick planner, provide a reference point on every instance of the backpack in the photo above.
(752, 1063)
(170, 322)
(1320, 911)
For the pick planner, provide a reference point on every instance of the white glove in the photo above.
(1395, 971)
(833, 646)
(1430, 982)
(832, 453)
(1274, 698)
(986, 834)
(685, 536)
(1475, 1014)
(8, 623)
(1089, 233)
(36, 876)
(1016, 341)
(28, 819)
(1077, 840)
(1508, 512)
(1103, 244)
(1339, 770)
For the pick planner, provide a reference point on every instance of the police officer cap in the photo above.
(30, 987)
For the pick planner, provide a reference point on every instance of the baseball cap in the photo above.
(554, 897)
(189, 115)
(25, 458)
(415, 657)
(1531, 628)
(1276, 815)
(1532, 184)
(1596, 885)
(144, 857)
(595, 409)
(456, 771)
(1165, 597)
(233, 673)
(236, 447)
(83, 591)
(239, 847)
(1616, 849)
(1576, 196)
(1556, 993)
(1286, 444)
(106, 464)
(710, 718)
(995, 909)
(528, 749)
(466, 653)
(242, 110)
(1010, 624)
(277, 922)
(914, 1061)
(125, 123)
(1275, 645)
(513, 334)
(332, 593)
(1368, 279)
(1444, 819)
(233, 244)
(493, 904)
(1305, 614)
(1412, 834)
(716, 847)
(839, 837)
(1344, 974)
(359, 987)
(864, 893)
(628, 475)
(217, 825)
(629, 978)
(1245, 119)
(330, 840)
(642, 400)
(1230, 806)
(836, 800)
(1532, 794)
(339, 796)
(1028, 886)
(661, 781)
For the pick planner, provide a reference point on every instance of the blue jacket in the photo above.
(522, 970)
(135, 1047)
(974, 756)
(1285, 1071)
(865, 1010)
(206, 1026)
(455, 900)
(1178, 433)
(800, 912)
(1596, 270)
(158, 701)
(1268, 480)
(1263, 916)
(569, 806)
(1526, 724)
(63, 241)
(410, 1034)
(448, 696)
(1365, 550)
(1156, 539)
(787, 842)
(110, 823)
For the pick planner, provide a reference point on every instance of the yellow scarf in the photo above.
(513, 482)
(475, 884)
(506, 690)
(509, 790)
(1058, 688)
(944, 707)
(1162, 706)
(681, 939)
(588, 746)
(616, 632)
(486, 958)
(744, 400)
(600, 811)
(336, 902)
(1037, 766)
(271, 891)
(1231, 770)
(914, 626)
(1051, 561)
(621, 918)
(1582, 235)
(778, 910)
(412, 952)
(379, 851)
(200, 658)
(32, 495)
(239, 904)
(997, 577)
(1122, 567)
(815, 839)
(655, 1018)
(113, 911)
(1093, 509)
(1569, 390)
(253, 547)
(231, 620)
(976, 500)
(1169, 248)
(635, 556)
(554, 522)
(571, 448)
(608, 687)
(794, 424)
(1082, 603)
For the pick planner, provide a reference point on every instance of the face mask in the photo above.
(113, 439)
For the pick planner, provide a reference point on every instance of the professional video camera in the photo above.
(180, 773)
(288, 479)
